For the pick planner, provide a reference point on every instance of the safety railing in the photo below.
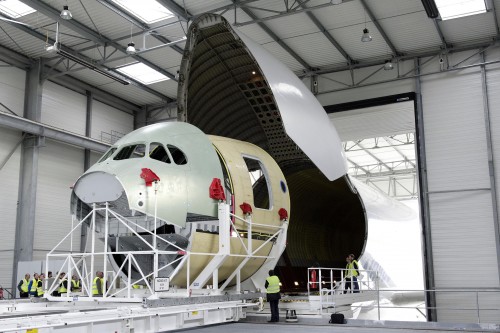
(329, 285)
(327, 288)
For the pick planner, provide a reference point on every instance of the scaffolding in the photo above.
(121, 286)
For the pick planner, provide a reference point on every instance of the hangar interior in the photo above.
(415, 103)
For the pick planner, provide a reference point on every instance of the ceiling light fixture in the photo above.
(66, 14)
(388, 65)
(131, 48)
(366, 37)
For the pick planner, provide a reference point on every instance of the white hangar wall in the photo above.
(12, 86)
(462, 197)
(59, 164)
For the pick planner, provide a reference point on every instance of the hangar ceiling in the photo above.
(314, 38)
(309, 36)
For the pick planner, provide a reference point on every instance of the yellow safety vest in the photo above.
(351, 271)
(34, 286)
(76, 284)
(62, 288)
(39, 289)
(24, 286)
(136, 286)
(273, 286)
(94, 286)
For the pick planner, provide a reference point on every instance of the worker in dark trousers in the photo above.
(352, 273)
(33, 285)
(39, 289)
(98, 284)
(22, 286)
(273, 295)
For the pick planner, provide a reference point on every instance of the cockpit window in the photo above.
(107, 155)
(177, 155)
(158, 152)
(132, 151)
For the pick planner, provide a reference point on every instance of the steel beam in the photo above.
(130, 18)
(86, 32)
(44, 38)
(491, 160)
(379, 28)
(277, 39)
(28, 177)
(327, 34)
(176, 9)
(72, 83)
(444, 43)
(424, 199)
(37, 128)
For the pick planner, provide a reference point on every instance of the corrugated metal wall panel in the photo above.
(463, 237)
(493, 81)
(59, 167)
(9, 185)
(63, 108)
(107, 121)
(375, 121)
(454, 126)
(12, 84)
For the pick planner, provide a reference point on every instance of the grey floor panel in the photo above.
(299, 328)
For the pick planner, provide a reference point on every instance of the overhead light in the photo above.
(388, 65)
(84, 63)
(131, 48)
(66, 14)
(366, 36)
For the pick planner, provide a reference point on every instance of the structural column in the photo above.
(430, 296)
(25, 223)
(86, 160)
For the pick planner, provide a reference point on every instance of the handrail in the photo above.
(481, 301)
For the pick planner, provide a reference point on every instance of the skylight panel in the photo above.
(15, 8)
(142, 73)
(149, 11)
(450, 9)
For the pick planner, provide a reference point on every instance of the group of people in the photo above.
(272, 285)
(31, 287)
(34, 287)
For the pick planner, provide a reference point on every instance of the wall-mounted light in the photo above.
(66, 14)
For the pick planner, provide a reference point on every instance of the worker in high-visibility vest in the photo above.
(63, 284)
(33, 284)
(75, 283)
(98, 284)
(273, 295)
(23, 285)
(39, 289)
(352, 273)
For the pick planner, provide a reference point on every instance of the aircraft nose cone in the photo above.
(98, 187)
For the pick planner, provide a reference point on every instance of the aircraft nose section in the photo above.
(98, 187)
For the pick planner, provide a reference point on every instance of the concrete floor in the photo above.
(379, 327)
